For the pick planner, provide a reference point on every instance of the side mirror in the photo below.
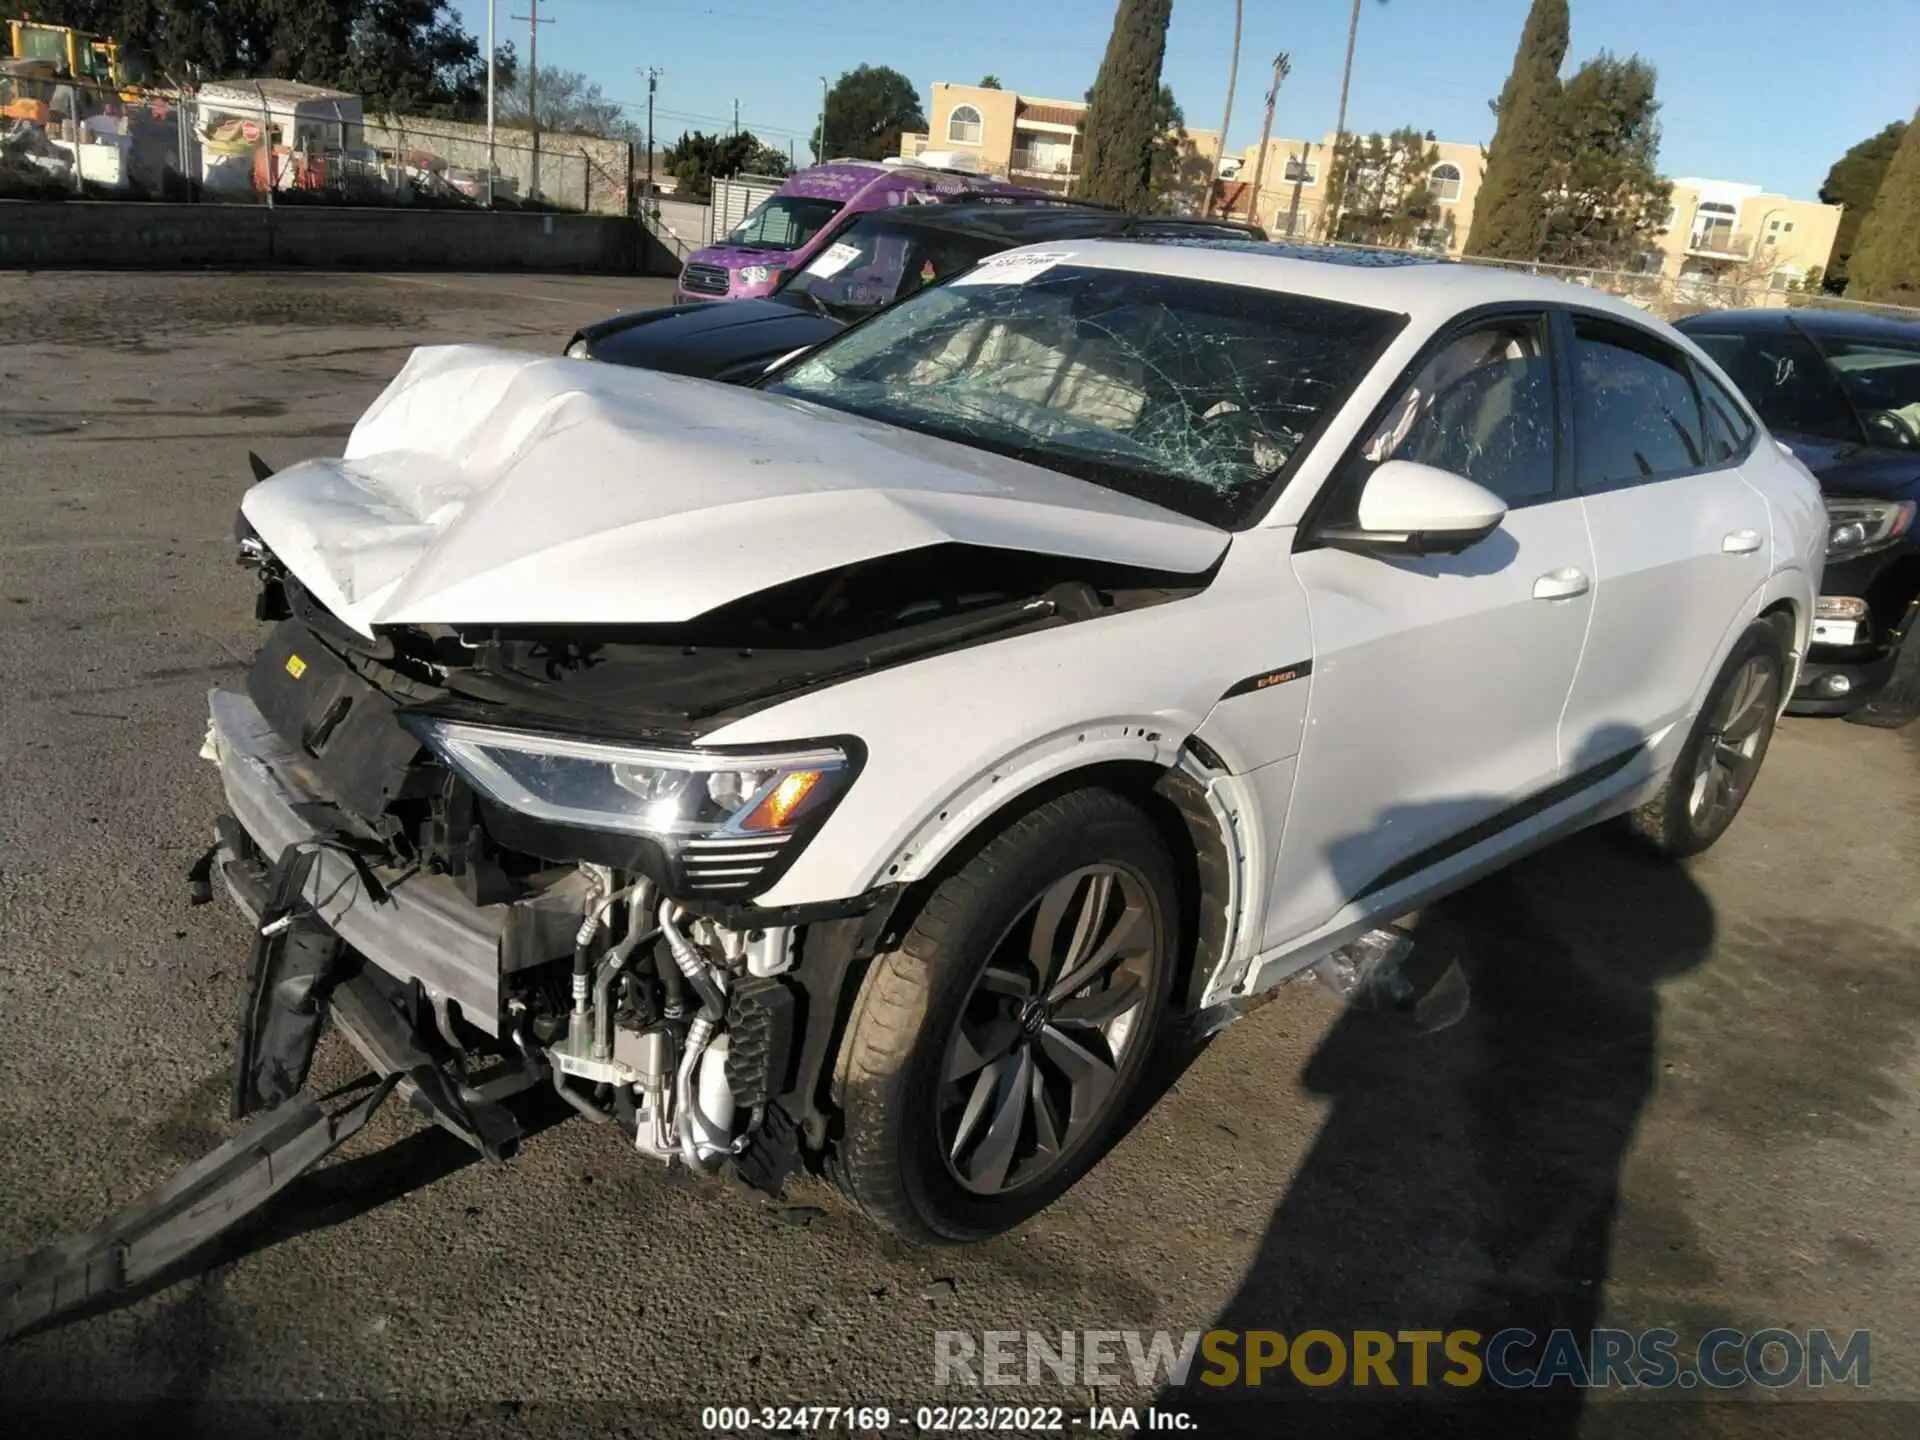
(1417, 509)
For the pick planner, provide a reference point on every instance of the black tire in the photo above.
(1897, 702)
(897, 1156)
(1675, 823)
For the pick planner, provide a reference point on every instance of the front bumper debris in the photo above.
(168, 1223)
(423, 930)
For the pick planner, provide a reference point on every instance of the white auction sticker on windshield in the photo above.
(1013, 269)
(833, 259)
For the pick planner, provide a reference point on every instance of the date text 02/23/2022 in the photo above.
(938, 1419)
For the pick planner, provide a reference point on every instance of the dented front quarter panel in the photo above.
(953, 739)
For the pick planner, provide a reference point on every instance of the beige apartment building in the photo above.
(1719, 231)
(1293, 186)
(1030, 140)
(1728, 233)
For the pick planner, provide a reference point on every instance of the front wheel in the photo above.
(991, 1056)
(1715, 770)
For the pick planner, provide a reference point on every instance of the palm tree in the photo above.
(1233, 74)
(1332, 218)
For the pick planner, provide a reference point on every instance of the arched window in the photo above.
(963, 126)
(1445, 182)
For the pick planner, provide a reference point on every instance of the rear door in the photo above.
(1681, 542)
(1438, 680)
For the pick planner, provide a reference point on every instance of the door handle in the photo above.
(1562, 584)
(1741, 542)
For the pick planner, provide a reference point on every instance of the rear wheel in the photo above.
(1716, 769)
(991, 1056)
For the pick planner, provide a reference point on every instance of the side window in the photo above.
(1784, 378)
(1729, 431)
(1481, 407)
(1636, 413)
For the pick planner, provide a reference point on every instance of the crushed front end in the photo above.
(518, 837)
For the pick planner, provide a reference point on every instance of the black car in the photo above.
(881, 257)
(1842, 391)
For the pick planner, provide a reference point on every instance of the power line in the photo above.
(690, 116)
(785, 21)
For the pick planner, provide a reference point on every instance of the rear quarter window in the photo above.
(1729, 429)
(1637, 415)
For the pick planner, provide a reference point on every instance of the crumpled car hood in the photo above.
(490, 487)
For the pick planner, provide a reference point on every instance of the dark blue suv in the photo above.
(1842, 391)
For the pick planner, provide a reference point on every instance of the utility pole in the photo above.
(534, 22)
(652, 72)
(820, 159)
(1226, 120)
(491, 5)
(1282, 66)
(736, 117)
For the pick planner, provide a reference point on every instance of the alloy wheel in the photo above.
(1730, 755)
(1047, 1029)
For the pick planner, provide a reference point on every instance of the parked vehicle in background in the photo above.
(804, 214)
(1842, 391)
(861, 768)
(878, 258)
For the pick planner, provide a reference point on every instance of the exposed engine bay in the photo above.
(636, 977)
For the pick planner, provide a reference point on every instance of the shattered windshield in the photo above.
(1187, 393)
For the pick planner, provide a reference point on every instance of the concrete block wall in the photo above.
(85, 234)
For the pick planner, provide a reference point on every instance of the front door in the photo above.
(1438, 681)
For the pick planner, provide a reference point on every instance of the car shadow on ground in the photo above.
(1467, 1178)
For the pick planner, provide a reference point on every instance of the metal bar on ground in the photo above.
(168, 1223)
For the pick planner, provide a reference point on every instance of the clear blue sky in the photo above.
(1766, 91)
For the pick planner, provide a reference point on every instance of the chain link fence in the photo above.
(276, 142)
(1666, 296)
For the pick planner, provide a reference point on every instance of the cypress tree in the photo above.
(1886, 263)
(1509, 214)
(1121, 131)
(1853, 182)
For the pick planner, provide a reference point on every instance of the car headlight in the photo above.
(579, 350)
(759, 274)
(1855, 527)
(674, 796)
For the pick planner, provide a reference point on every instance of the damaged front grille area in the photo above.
(341, 698)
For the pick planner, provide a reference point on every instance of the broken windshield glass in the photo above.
(1188, 393)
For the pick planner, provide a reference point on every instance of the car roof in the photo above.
(1428, 290)
(1016, 222)
(1839, 324)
